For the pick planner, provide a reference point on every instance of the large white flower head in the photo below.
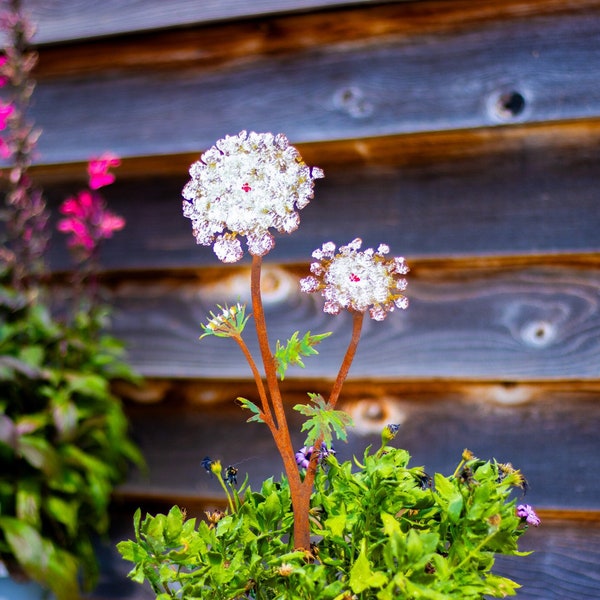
(243, 186)
(358, 280)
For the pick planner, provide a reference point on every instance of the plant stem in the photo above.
(267, 415)
(357, 323)
(300, 490)
(281, 433)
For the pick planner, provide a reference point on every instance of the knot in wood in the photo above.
(353, 101)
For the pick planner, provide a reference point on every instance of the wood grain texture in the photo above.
(530, 199)
(68, 20)
(340, 91)
(435, 428)
(535, 322)
(226, 43)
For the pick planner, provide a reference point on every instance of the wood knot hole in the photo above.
(352, 101)
(509, 105)
(538, 333)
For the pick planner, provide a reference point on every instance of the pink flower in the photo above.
(98, 170)
(88, 221)
(6, 110)
(5, 149)
(3, 78)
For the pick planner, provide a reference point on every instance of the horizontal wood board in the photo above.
(529, 200)
(61, 21)
(434, 428)
(342, 91)
(227, 42)
(536, 322)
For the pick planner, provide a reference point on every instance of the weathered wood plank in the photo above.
(530, 199)
(498, 74)
(63, 20)
(563, 563)
(434, 428)
(535, 322)
(226, 42)
(68, 20)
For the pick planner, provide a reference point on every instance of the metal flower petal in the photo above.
(244, 186)
(358, 280)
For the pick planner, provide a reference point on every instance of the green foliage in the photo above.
(249, 405)
(295, 348)
(229, 322)
(323, 421)
(63, 440)
(381, 532)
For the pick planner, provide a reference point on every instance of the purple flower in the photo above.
(304, 455)
(525, 512)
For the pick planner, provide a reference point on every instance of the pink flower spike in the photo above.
(6, 110)
(5, 149)
(98, 170)
(109, 223)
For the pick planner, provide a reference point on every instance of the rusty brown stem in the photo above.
(267, 415)
(281, 433)
(357, 322)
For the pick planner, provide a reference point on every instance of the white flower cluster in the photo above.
(358, 281)
(243, 186)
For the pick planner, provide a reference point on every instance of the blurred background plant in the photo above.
(64, 442)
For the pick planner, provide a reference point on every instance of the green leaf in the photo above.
(65, 512)
(41, 559)
(390, 524)
(28, 501)
(361, 575)
(323, 421)
(39, 453)
(249, 405)
(294, 349)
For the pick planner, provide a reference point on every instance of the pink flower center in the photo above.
(354, 277)
(246, 187)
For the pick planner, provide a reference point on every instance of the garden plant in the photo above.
(374, 527)
(64, 441)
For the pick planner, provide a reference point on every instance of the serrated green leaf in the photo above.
(249, 405)
(323, 421)
(291, 353)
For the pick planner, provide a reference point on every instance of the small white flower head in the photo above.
(243, 186)
(358, 280)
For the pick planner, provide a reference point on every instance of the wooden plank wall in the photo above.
(464, 134)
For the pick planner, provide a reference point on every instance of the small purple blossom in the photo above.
(526, 512)
(305, 453)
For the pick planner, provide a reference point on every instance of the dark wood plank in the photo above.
(337, 92)
(530, 199)
(435, 428)
(224, 43)
(534, 322)
(61, 21)
(563, 564)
